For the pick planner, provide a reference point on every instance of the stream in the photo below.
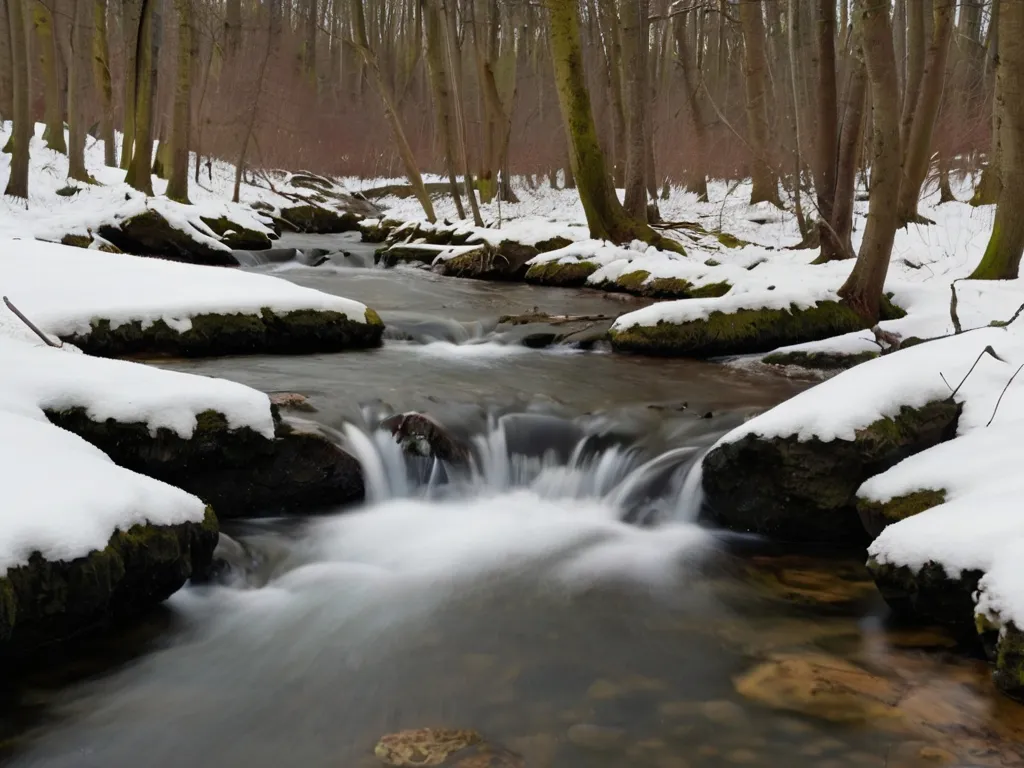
(559, 595)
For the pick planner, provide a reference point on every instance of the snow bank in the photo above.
(63, 289)
(1001, 590)
(64, 498)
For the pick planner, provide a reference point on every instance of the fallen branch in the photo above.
(986, 350)
(996, 409)
(953, 315)
(31, 325)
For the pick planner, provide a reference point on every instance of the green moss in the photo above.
(571, 275)
(372, 318)
(742, 332)
(298, 332)
(632, 282)
(890, 311)
(77, 241)
(1009, 674)
(819, 361)
(712, 263)
(553, 244)
(876, 516)
(730, 241)
(8, 609)
(710, 290)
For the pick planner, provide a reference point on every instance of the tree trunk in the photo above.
(863, 289)
(177, 186)
(17, 182)
(1003, 254)
(362, 44)
(899, 33)
(131, 17)
(103, 81)
(6, 66)
(634, 76)
(250, 125)
(608, 18)
(764, 177)
(918, 150)
(42, 21)
(441, 91)
(697, 180)
(309, 43)
(606, 217)
(232, 28)
(990, 186)
(916, 43)
(147, 56)
(837, 244)
(828, 125)
(77, 68)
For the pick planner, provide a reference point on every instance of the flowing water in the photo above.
(557, 594)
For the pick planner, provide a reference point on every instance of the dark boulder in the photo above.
(150, 234)
(420, 435)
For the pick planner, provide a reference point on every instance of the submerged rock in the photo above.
(420, 435)
(239, 471)
(456, 748)
(45, 601)
(741, 332)
(298, 332)
(930, 594)
(806, 490)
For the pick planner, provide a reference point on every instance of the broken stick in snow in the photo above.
(31, 325)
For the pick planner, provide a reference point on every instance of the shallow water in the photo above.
(513, 598)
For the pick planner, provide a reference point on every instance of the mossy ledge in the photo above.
(638, 284)
(44, 602)
(238, 471)
(304, 331)
(929, 594)
(150, 234)
(570, 275)
(741, 332)
(877, 515)
(806, 490)
(1009, 674)
(819, 361)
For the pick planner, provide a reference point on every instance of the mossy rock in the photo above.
(44, 601)
(876, 516)
(405, 254)
(1009, 674)
(570, 275)
(304, 331)
(235, 236)
(677, 288)
(238, 471)
(77, 241)
(806, 490)
(631, 282)
(741, 332)
(553, 244)
(320, 220)
(730, 241)
(929, 594)
(150, 234)
(819, 361)
(506, 262)
(377, 232)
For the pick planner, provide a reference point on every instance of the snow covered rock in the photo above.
(1000, 611)
(116, 305)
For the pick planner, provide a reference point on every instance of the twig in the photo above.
(953, 315)
(30, 324)
(996, 409)
(988, 350)
(1004, 323)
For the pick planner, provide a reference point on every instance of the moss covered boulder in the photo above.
(150, 234)
(741, 332)
(819, 361)
(320, 219)
(237, 237)
(45, 601)
(572, 274)
(238, 471)
(876, 516)
(291, 333)
(929, 594)
(806, 490)
(1009, 660)
(505, 262)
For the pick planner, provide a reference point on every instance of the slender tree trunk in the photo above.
(766, 187)
(102, 80)
(899, 33)
(828, 125)
(250, 124)
(362, 44)
(17, 182)
(863, 289)
(918, 151)
(1003, 254)
(78, 67)
(309, 44)
(147, 56)
(6, 66)
(990, 186)
(634, 70)
(915, 66)
(232, 28)
(177, 186)
(131, 16)
(608, 18)
(441, 91)
(697, 180)
(606, 217)
(42, 21)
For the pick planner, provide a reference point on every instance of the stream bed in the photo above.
(560, 596)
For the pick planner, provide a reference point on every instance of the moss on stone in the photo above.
(742, 332)
(712, 263)
(239, 472)
(318, 219)
(877, 515)
(506, 262)
(570, 275)
(730, 241)
(235, 236)
(1009, 674)
(805, 490)
(553, 244)
(372, 318)
(632, 282)
(298, 332)
(150, 234)
(77, 241)
(929, 594)
(819, 361)
(707, 291)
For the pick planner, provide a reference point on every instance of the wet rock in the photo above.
(424, 746)
(504, 262)
(420, 435)
(408, 253)
(44, 601)
(150, 234)
(877, 516)
(237, 237)
(599, 738)
(744, 331)
(806, 490)
(929, 594)
(292, 401)
(239, 471)
(572, 274)
(291, 333)
(88, 241)
(1009, 674)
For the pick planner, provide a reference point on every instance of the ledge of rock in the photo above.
(237, 471)
(43, 602)
(806, 490)
(572, 274)
(819, 361)
(320, 220)
(235, 237)
(876, 516)
(930, 594)
(297, 332)
(639, 284)
(741, 332)
(150, 234)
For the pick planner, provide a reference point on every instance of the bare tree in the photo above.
(766, 188)
(17, 182)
